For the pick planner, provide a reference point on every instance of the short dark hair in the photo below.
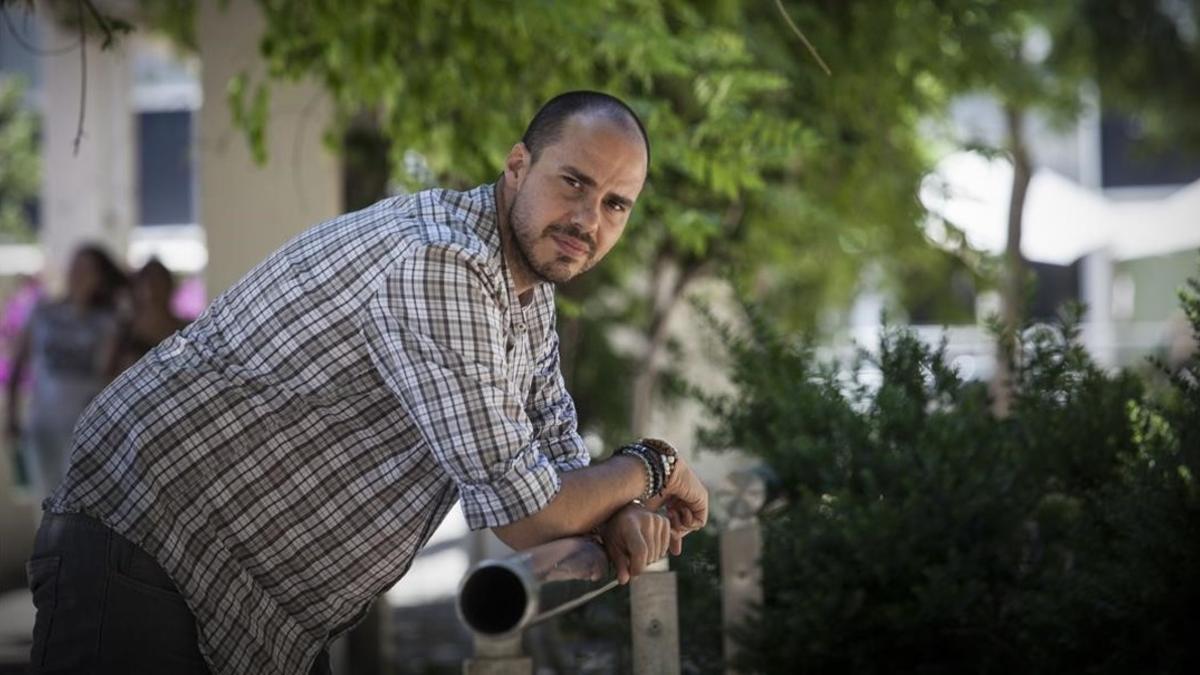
(546, 126)
(155, 268)
(112, 279)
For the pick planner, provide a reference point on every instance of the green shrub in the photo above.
(922, 534)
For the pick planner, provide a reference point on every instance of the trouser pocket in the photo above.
(147, 622)
(42, 577)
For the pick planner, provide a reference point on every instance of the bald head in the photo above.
(546, 127)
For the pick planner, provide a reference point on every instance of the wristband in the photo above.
(664, 453)
(653, 484)
(659, 458)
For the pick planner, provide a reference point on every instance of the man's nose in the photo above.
(587, 216)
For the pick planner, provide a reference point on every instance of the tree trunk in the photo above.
(668, 283)
(663, 292)
(1012, 293)
(670, 276)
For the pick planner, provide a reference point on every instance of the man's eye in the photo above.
(616, 206)
(573, 182)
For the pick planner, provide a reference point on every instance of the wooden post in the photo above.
(741, 498)
(741, 581)
(655, 620)
(498, 657)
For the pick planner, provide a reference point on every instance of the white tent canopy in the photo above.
(1063, 220)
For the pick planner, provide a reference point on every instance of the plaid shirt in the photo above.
(285, 456)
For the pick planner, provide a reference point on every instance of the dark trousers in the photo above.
(106, 606)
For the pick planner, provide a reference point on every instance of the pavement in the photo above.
(16, 629)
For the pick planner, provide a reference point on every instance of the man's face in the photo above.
(571, 205)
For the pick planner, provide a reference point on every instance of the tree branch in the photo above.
(811, 50)
(102, 22)
(82, 73)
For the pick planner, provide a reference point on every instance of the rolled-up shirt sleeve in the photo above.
(436, 334)
(552, 411)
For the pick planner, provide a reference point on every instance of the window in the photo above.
(166, 172)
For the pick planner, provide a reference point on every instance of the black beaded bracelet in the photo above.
(651, 480)
(654, 469)
(664, 453)
(660, 475)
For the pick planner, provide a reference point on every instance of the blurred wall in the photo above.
(249, 210)
(89, 196)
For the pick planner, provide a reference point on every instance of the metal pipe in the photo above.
(498, 599)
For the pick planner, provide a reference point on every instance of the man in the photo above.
(239, 497)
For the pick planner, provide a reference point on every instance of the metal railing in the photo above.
(499, 599)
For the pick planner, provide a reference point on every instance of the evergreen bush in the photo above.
(919, 533)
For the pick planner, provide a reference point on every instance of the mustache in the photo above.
(575, 233)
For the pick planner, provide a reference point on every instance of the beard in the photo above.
(555, 268)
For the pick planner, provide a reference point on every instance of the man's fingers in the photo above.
(684, 515)
(676, 542)
(662, 537)
(673, 518)
(686, 511)
(687, 517)
(666, 537)
(695, 518)
(695, 514)
(653, 537)
(621, 565)
(637, 554)
(641, 537)
(678, 515)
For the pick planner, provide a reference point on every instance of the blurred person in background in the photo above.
(13, 318)
(64, 345)
(150, 319)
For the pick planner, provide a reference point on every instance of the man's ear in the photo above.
(516, 165)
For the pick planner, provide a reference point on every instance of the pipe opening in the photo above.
(493, 600)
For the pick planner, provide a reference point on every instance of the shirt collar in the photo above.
(480, 207)
(485, 219)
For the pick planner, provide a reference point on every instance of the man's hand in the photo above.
(635, 537)
(686, 502)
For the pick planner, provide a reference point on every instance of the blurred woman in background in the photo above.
(64, 344)
(150, 319)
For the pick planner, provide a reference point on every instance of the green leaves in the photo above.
(19, 162)
(766, 170)
(922, 534)
(251, 116)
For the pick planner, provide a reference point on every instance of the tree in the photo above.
(1144, 57)
(457, 81)
(767, 172)
(19, 171)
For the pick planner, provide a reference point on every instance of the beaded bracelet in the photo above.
(666, 454)
(659, 459)
(653, 483)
